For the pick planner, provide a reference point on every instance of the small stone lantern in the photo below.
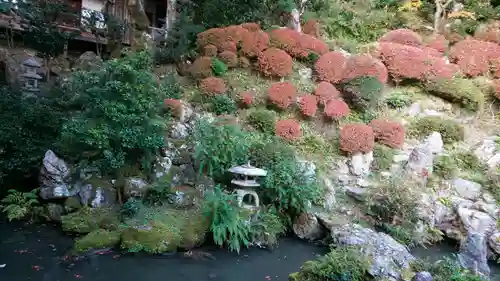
(244, 180)
(31, 76)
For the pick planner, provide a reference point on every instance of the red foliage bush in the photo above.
(275, 62)
(356, 137)
(229, 46)
(312, 27)
(326, 92)
(201, 67)
(253, 43)
(488, 32)
(212, 86)
(365, 65)
(288, 129)
(474, 57)
(308, 105)
(330, 67)
(438, 43)
(209, 51)
(282, 94)
(388, 132)
(408, 62)
(219, 36)
(229, 58)
(297, 44)
(336, 109)
(174, 105)
(251, 26)
(402, 36)
(247, 98)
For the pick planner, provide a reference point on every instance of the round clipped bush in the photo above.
(212, 86)
(326, 92)
(220, 36)
(247, 98)
(330, 67)
(402, 36)
(336, 109)
(201, 67)
(388, 132)
(229, 46)
(219, 68)
(356, 137)
(363, 92)
(438, 43)
(312, 27)
(262, 119)
(251, 26)
(222, 104)
(474, 57)
(288, 129)
(282, 94)
(308, 105)
(364, 65)
(209, 50)
(275, 62)
(174, 106)
(408, 62)
(253, 43)
(229, 58)
(488, 32)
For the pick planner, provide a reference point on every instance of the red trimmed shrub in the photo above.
(229, 46)
(253, 43)
(356, 137)
(297, 44)
(174, 105)
(388, 132)
(288, 129)
(209, 51)
(282, 94)
(365, 65)
(247, 98)
(219, 36)
(229, 58)
(212, 86)
(474, 57)
(438, 43)
(312, 27)
(201, 67)
(308, 105)
(336, 109)
(251, 26)
(488, 32)
(330, 67)
(402, 36)
(326, 92)
(408, 62)
(275, 62)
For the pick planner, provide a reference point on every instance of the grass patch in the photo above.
(383, 157)
(459, 91)
(450, 130)
(445, 167)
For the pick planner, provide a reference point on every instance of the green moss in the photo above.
(71, 204)
(468, 161)
(383, 157)
(460, 91)
(450, 130)
(154, 238)
(89, 219)
(262, 120)
(363, 93)
(445, 167)
(97, 239)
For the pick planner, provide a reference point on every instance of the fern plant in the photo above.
(18, 205)
(228, 227)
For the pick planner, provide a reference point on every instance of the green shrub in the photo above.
(218, 67)
(223, 104)
(450, 130)
(227, 224)
(170, 87)
(219, 147)
(398, 100)
(383, 157)
(116, 119)
(339, 264)
(262, 120)
(29, 127)
(131, 207)
(267, 227)
(445, 167)
(18, 205)
(363, 93)
(458, 90)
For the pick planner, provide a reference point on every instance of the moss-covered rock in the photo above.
(460, 91)
(97, 239)
(72, 204)
(156, 237)
(88, 219)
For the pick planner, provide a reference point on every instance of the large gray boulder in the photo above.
(54, 177)
(388, 257)
(474, 254)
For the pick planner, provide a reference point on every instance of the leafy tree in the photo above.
(115, 117)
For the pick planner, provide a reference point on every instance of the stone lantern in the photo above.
(30, 75)
(245, 183)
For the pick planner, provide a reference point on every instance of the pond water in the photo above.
(37, 252)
